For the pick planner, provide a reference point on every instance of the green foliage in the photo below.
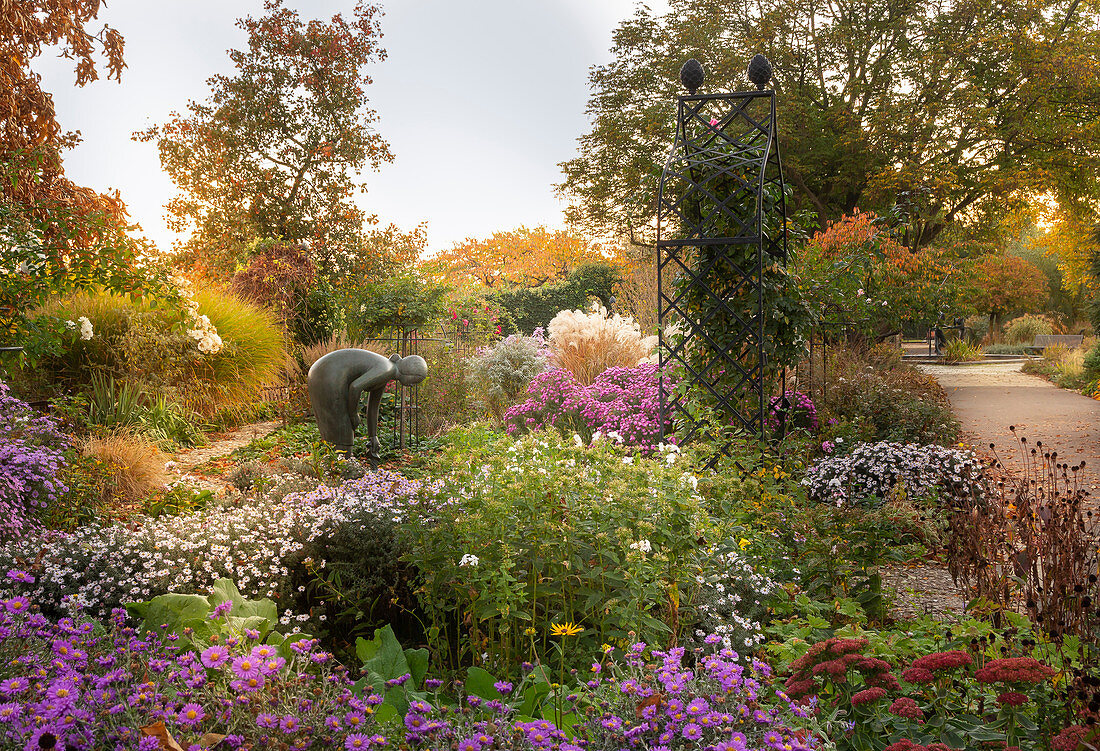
(876, 397)
(112, 404)
(541, 530)
(960, 350)
(187, 616)
(275, 151)
(445, 395)
(364, 582)
(713, 302)
(500, 374)
(531, 307)
(842, 78)
(51, 249)
(252, 357)
(402, 302)
(384, 660)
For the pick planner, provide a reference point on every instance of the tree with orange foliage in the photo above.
(858, 265)
(55, 236)
(1005, 283)
(519, 258)
(276, 150)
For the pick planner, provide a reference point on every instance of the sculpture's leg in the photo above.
(374, 401)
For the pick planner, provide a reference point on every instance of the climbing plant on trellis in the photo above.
(726, 317)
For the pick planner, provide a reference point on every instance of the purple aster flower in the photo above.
(264, 652)
(272, 665)
(267, 720)
(612, 723)
(10, 711)
(190, 714)
(149, 743)
(398, 681)
(18, 604)
(698, 707)
(20, 576)
(422, 707)
(357, 741)
(289, 724)
(503, 687)
(12, 686)
(355, 719)
(246, 666)
(215, 656)
(415, 722)
(469, 744)
(692, 732)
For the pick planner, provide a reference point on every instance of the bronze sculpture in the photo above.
(337, 381)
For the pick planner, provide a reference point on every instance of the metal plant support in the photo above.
(721, 221)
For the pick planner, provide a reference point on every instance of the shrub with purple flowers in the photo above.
(712, 698)
(30, 461)
(71, 684)
(622, 402)
(799, 409)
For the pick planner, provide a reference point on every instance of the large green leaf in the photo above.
(480, 682)
(225, 590)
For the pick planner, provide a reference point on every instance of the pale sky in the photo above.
(479, 100)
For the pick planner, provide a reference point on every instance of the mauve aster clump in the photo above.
(801, 411)
(874, 470)
(622, 402)
(72, 684)
(30, 460)
(714, 702)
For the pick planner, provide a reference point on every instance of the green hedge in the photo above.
(531, 307)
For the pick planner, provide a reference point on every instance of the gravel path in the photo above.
(987, 399)
(188, 459)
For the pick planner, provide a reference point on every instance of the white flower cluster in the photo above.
(247, 540)
(86, 330)
(733, 600)
(200, 328)
(874, 470)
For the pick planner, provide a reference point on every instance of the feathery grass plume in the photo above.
(587, 344)
(134, 461)
(1024, 329)
(252, 356)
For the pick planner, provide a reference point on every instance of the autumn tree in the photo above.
(55, 236)
(950, 111)
(1004, 284)
(518, 258)
(275, 150)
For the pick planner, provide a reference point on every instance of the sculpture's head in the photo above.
(411, 370)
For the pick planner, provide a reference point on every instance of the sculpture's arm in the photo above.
(355, 391)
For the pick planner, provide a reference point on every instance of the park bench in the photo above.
(1042, 341)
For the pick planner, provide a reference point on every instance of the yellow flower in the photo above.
(744, 543)
(530, 631)
(565, 629)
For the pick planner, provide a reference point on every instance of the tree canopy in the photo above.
(518, 258)
(954, 111)
(55, 236)
(275, 150)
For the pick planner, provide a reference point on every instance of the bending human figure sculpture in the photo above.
(337, 381)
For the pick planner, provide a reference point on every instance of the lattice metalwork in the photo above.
(721, 223)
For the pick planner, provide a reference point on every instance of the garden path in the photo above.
(188, 459)
(988, 398)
